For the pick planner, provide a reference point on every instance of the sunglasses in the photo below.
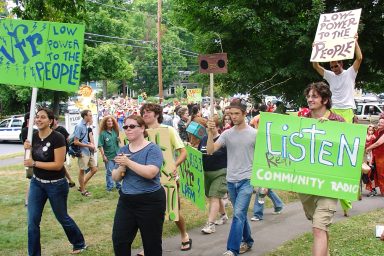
(131, 126)
(332, 67)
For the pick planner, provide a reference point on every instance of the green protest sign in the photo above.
(307, 156)
(192, 178)
(41, 54)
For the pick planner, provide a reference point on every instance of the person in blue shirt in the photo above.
(142, 200)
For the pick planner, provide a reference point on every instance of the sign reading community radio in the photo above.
(41, 54)
(307, 156)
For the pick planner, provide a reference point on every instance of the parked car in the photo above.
(369, 112)
(10, 128)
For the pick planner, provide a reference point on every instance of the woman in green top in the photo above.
(109, 146)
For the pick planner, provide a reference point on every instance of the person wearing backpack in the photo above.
(86, 159)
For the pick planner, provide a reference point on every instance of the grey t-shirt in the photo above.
(240, 149)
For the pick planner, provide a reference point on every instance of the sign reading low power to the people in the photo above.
(213, 63)
(41, 54)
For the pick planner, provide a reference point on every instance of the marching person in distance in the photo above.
(319, 209)
(342, 85)
(258, 206)
(240, 143)
(81, 139)
(153, 116)
(64, 132)
(378, 156)
(183, 124)
(49, 183)
(214, 181)
(142, 199)
(109, 146)
(227, 123)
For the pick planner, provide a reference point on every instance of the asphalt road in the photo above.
(10, 148)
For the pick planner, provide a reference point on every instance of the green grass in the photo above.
(94, 215)
(352, 237)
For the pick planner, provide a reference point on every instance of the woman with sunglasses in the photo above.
(141, 204)
(49, 183)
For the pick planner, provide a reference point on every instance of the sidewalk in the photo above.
(268, 234)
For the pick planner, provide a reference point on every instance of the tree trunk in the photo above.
(124, 88)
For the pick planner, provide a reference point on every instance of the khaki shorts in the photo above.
(215, 183)
(319, 210)
(86, 162)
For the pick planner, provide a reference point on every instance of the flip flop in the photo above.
(86, 193)
(78, 251)
(189, 243)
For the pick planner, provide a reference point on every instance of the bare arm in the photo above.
(378, 143)
(318, 68)
(182, 156)
(56, 165)
(359, 57)
(145, 171)
(211, 146)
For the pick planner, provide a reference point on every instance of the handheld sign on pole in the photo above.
(335, 34)
(211, 64)
(306, 156)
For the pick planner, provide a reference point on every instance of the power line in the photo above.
(120, 8)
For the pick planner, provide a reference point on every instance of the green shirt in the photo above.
(110, 143)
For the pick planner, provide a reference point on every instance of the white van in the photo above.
(369, 112)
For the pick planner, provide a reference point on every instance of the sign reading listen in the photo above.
(307, 156)
(41, 54)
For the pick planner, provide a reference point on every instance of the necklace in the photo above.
(43, 138)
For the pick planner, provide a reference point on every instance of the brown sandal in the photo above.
(86, 193)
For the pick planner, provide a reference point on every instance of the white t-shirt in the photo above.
(342, 87)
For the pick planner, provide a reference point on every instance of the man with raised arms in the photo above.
(319, 209)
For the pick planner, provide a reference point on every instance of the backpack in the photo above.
(74, 150)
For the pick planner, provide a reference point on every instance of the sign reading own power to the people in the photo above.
(41, 54)
(335, 34)
(306, 156)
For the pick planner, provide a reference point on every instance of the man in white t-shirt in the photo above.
(342, 84)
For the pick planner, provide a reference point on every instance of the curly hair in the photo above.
(323, 90)
(103, 124)
(156, 108)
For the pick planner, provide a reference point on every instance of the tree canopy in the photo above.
(269, 42)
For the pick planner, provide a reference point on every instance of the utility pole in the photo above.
(159, 58)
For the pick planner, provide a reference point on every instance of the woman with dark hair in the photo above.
(183, 123)
(141, 203)
(49, 183)
(109, 146)
(227, 123)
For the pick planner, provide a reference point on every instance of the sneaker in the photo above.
(229, 253)
(222, 220)
(254, 218)
(277, 211)
(209, 228)
(372, 193)
(244, 247)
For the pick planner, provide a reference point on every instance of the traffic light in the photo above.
(213, 63)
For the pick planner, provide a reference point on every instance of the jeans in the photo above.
(57, 194)
(258, 208)
(240, 195)
(108, 175)
(144, 212)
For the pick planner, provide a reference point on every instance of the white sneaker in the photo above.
(222, 220)
(209, 228)
(254, 218)
(228, 253)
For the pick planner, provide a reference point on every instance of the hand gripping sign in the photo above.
(335, 36)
